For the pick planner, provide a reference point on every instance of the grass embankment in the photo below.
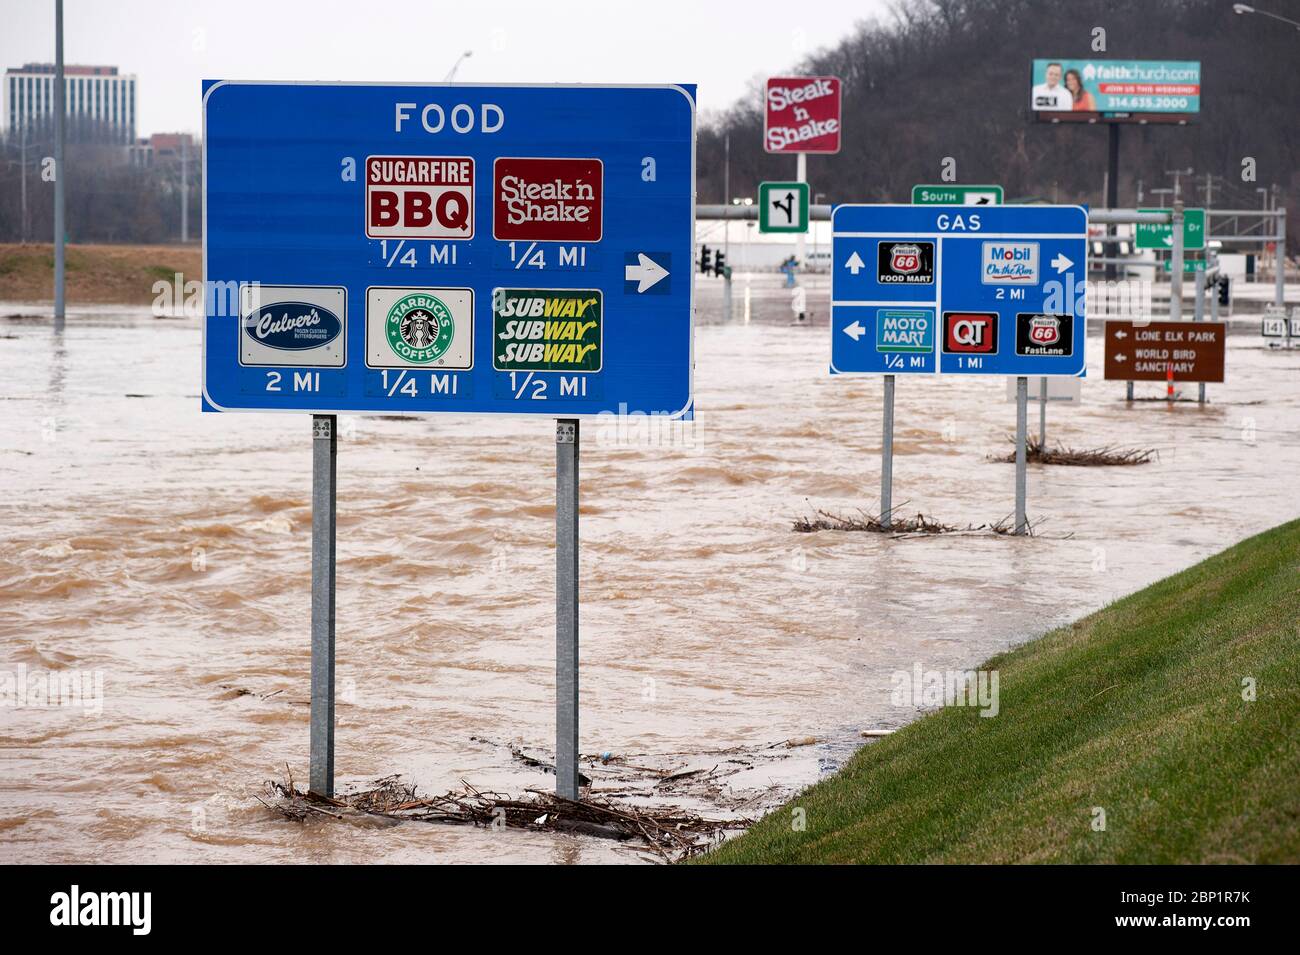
(1137, 709)
(95, 274)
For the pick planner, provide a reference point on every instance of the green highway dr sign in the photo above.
(956, 195)
(1159, 236)
(783, 207)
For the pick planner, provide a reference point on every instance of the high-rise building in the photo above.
(100, 102)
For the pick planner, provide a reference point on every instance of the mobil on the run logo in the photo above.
(1012, 263)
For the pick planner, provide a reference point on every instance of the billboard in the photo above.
(801, 114)
(1135, 90)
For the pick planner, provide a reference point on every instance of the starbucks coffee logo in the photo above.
(419, 328)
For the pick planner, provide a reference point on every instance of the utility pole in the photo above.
(185, 195)
(59, 228)
(22, 170)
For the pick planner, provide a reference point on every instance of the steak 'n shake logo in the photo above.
(547, 200)
(905, 263)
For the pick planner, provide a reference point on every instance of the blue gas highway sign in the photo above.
(991, 290)
(448, 248)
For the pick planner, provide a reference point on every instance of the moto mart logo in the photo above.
(1009, 263)
(546, 330)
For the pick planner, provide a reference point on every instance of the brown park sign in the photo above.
(1145, 352)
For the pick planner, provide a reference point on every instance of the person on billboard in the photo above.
(1081, 98)
(1050, 94)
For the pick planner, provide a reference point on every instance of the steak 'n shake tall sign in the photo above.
(802, 114)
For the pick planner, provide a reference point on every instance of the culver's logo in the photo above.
(1013, 263)
(292, 326)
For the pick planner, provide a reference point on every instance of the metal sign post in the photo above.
(324, 492)
(60, 169)
(1022, 413)
(1176, 269)
(566, 608)
(887, 457)
(1042, 413)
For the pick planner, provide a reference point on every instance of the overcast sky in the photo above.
(171, 45)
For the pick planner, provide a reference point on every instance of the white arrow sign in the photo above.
(1121, 334)
(646, 273)
(1061, 263)
(1169, 239)
(855, 331)
(1119, 358)
(855, 263)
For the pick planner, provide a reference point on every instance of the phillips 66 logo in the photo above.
(905, 263)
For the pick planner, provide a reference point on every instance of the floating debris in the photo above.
(864, 521)
(1036, 453)
(670, 832)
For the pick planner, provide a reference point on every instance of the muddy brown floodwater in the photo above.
(165, 553)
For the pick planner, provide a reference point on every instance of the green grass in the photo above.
(1137, 709)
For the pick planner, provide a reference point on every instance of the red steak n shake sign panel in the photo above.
(547, 200)
(802, 114)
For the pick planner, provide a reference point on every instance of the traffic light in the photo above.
(720, 264)
(1225, 290)
(705, 263)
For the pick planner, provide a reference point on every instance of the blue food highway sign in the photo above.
(993, 290)
(448, 248)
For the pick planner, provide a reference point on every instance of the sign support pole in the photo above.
(1042, 413)
(801, 240)
(1197, 316)
(1022, 413)
(1112, 186)
(887, 457)
(324, 494)
(566, 608)
(1279, 260)
(1176, 266)
(60, 170)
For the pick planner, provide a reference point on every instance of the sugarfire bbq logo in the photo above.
(905, 263)
(419, 328)
(419, 197)
(546, 330)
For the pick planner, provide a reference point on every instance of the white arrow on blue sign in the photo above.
(994, 290)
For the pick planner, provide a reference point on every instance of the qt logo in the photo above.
(970, 333)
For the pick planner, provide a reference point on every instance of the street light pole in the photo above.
(451, 74)
(1242, 9)
(59, 227)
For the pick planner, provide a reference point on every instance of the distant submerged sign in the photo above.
(802, 114)
(1088, 90)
